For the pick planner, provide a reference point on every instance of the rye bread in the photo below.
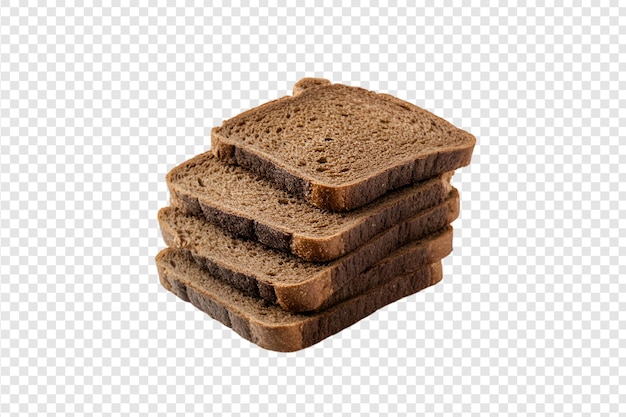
(340, 147)
(298, 285)
(251, 206)
(268, 325)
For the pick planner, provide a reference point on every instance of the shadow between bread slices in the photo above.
(298, 285)
(251, 206)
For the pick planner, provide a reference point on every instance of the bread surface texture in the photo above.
(340, 147)
(268, 325)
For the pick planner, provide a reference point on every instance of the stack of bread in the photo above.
(311, 212)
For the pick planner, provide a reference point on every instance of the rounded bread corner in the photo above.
(216, 132)
(436, 273)
(328, 197)
(305, 296)
(305, 83)
(222, 150)
(317, 250)
(279, 337)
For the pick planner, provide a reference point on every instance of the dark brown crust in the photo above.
(310, 248)
(312, 328)
(342, 281)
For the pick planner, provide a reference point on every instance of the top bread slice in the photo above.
(251, 206)
(340, 147)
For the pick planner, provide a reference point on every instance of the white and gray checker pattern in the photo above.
(98, 102)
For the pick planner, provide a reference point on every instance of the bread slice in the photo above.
(298, 285)
(251, 206)
(340, 147)
(269, 326)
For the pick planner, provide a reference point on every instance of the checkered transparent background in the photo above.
(97, 103)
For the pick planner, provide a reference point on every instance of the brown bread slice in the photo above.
(269, 326)
(298, 285)
(340, 147)
(251, 206)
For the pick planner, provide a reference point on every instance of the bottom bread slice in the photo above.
(268, 325)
